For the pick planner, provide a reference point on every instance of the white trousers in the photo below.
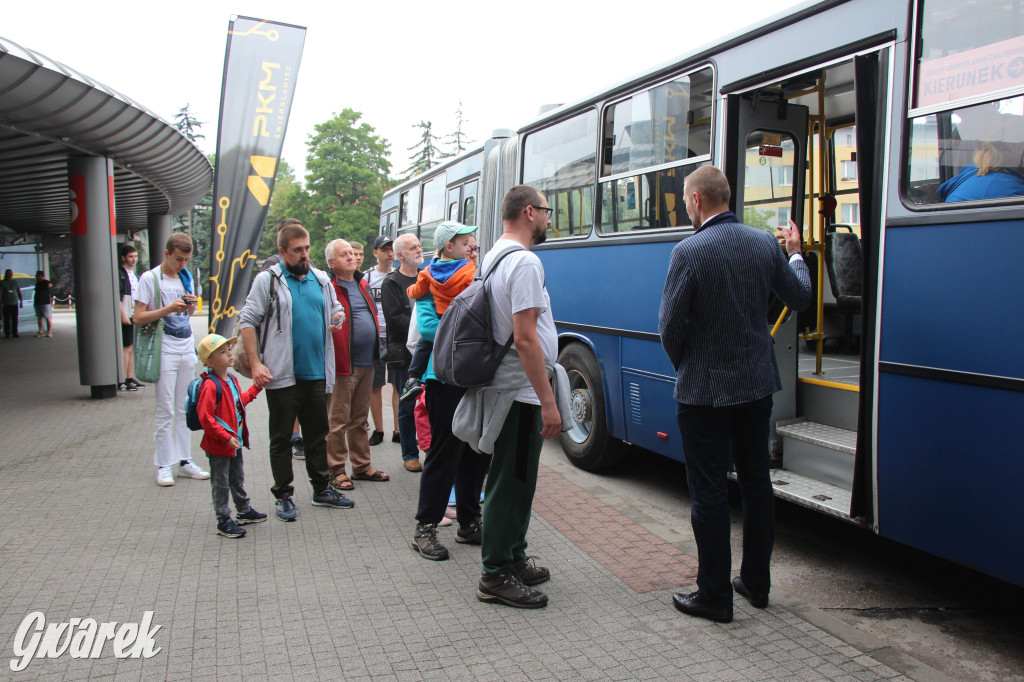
(173, 437)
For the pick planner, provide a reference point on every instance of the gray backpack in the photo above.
(465, 353)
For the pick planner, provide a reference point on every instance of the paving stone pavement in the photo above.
(339, 594)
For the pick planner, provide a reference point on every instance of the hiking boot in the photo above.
(164, 476)
(506, 587)
(469, 533)
(425, 542)
(251, 516)
(529, 572)
(329, 497)
(376, 438)
(413, 465)
(192, 470)
(229, 529)
(298, 449)
(411, 390)
(285, 508)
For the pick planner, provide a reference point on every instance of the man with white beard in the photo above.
(397, 313)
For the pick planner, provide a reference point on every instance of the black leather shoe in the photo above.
(693, 605)
(758, 601)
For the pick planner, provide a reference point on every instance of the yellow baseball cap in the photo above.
(212, 343)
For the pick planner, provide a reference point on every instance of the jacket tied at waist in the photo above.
(482, 411)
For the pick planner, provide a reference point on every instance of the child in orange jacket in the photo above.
(225, 433)
(447, 276)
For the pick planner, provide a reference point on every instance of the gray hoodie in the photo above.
(277, 354)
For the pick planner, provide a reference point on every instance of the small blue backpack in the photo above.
(192, 402)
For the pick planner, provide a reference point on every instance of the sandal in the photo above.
(342, 482)
(375, 475)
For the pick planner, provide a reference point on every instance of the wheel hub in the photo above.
(580, 404)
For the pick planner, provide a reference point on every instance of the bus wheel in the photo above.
(587, 444)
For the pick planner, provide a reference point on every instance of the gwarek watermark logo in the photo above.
(82, 638)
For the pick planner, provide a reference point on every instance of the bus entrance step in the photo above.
(818, 451)
(808, 492)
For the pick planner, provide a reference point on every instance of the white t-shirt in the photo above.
(373, 283)
(516, 285)
(171, 290)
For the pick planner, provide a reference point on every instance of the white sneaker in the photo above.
(164, 476)
(191, 470)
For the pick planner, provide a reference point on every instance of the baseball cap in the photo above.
(382, 241)
(211, 343)
(447, 230)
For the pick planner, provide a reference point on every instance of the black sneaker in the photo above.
(506, 587)
(412, 388)
(298, 449)
(529, 572)
(425, 542)
(396, 437)
(128, 387)
(376, 438)
(469, 533)
(229, 529)
(133, 382)
(330, 497)
(251, 516)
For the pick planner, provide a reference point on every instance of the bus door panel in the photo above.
(766, 163)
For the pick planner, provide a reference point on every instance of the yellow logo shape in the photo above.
(264, 167)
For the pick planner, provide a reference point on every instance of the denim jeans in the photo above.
(399, 374)
(227, 475)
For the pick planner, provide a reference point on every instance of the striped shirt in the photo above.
(713, 316)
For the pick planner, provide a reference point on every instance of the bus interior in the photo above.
(799, 160)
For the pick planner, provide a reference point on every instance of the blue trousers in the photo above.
(710, 435)
(399, 374)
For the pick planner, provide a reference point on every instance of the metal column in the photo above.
(159, 228)
(93, 248)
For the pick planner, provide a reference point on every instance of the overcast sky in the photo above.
(396, 62)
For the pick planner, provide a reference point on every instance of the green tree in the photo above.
(347, 167)
(762, 219)
(289, 200)
(457, 142)
(188, 124)
(425, 153)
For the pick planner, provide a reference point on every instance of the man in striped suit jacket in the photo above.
(713, 326)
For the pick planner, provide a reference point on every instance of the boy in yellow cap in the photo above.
(221, 410)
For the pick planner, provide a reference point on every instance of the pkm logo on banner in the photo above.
(264, 167)
(82, 638)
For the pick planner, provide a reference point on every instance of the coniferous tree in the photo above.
(425, 152)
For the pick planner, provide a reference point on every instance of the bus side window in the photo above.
(647, 143)
(560, 161)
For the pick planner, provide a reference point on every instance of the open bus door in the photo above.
(766, 163)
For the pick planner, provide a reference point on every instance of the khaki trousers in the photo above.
(347, 409)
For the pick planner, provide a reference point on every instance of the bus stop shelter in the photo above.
(82, 162)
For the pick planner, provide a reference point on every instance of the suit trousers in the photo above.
(347, 408)
(449, 462)
(710, 435)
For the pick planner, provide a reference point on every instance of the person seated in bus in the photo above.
(444, 278)
(991, 176)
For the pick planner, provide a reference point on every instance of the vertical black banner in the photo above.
(260, 67)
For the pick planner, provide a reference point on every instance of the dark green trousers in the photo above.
(306, 400)
(511, 483)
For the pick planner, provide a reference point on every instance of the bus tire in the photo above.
(587, 445)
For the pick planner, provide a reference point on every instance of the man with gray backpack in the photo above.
(517, 409)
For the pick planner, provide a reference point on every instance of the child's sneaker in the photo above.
(251, 516)
(229, 529)
(192, 470)
(298, 449)
(411, 390)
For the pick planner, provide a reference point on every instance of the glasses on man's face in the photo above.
(474, 249)
(544, 208)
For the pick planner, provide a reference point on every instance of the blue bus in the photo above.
(893, 132)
